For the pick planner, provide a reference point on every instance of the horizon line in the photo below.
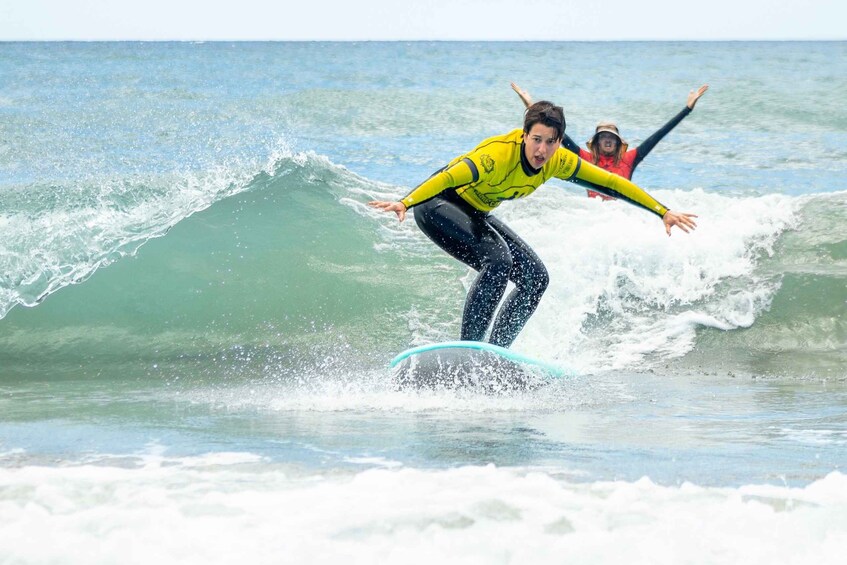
(277, 40)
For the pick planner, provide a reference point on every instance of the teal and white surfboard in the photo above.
(471, 362)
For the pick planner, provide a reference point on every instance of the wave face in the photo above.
(284, 262)
(180, 203)
(294, 262)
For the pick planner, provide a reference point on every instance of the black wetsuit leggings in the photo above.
(487, 245)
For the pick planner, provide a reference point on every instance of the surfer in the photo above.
(453, 208)
(608, 150)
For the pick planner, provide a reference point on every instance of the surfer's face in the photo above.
(607, 143)
(540, 142)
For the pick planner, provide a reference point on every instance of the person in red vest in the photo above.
(609, 151)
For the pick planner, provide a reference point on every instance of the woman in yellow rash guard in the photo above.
(453, 208)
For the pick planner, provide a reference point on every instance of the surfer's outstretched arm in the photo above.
(459, 174)
(595, 178)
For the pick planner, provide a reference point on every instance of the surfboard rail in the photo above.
(514, 356)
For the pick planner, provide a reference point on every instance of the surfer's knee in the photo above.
(540, 280)
(499, 261)
(535, 280)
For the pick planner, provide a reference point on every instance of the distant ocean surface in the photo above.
(197, 308)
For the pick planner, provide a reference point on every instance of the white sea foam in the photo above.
(622, 290)
(235, 509)
(375, 392)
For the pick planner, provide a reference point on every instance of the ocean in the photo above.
(197, 308)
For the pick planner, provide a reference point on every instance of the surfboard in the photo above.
(472, 363)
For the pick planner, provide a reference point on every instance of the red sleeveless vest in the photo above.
(622, 168)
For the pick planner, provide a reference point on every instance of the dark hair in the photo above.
(545, 113)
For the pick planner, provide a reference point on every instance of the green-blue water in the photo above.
(197, 308)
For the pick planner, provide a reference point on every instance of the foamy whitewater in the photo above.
(197, 309)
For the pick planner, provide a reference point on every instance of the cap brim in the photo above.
(624, 144)
(622, 141)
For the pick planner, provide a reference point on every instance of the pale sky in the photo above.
(560, 20)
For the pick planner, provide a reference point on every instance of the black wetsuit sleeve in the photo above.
(648, 144)
(569, 144)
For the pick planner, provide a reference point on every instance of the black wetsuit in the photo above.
(486, 244)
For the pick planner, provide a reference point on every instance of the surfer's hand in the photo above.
(695, 95)
(397, 207)
(682, 220)
(527, 99)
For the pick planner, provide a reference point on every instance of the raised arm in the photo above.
(524, 95)
(648, 144)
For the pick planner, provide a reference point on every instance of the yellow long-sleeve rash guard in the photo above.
(493, 172)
